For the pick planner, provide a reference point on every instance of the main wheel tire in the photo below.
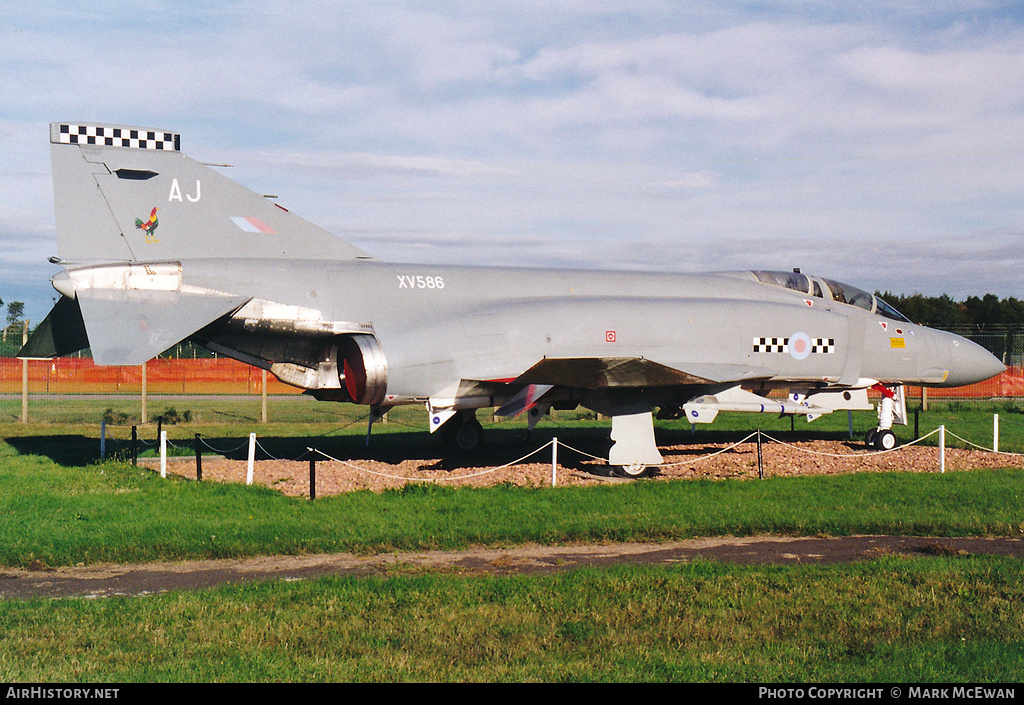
(465, 436)
(869, 438)
(885, 439)
(633, 472)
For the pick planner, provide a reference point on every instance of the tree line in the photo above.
(988, 312)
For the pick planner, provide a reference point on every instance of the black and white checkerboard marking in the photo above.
(771, 345)
(825, 346)
(819, 346)
(132, 138)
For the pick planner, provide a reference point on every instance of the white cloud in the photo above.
(601, 133)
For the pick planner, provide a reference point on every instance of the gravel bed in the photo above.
(697, 461)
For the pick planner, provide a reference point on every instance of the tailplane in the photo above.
(129, 194)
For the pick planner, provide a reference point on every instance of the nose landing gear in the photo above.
(891, 409)
(881, 439)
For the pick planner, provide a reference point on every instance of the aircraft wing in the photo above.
(601, 372)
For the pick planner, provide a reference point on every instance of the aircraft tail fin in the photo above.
(129, 194)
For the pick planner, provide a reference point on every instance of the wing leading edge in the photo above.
(624, 372)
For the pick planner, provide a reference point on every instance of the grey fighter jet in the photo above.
(157, 248)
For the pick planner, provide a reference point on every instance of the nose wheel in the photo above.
(881, 439)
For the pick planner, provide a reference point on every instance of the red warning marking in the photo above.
(609, 336)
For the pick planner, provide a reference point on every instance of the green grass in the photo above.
(893, 619)
(116, 512)
(890, 620)
(205, 410)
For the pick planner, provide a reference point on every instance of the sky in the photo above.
(877, 143)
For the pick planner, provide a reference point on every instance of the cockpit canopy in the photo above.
(831, 290)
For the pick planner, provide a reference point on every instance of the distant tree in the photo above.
(15, 313)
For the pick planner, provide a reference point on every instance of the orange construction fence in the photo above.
(1008, 384)
(73, 375)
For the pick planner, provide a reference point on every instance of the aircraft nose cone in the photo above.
(970, 363)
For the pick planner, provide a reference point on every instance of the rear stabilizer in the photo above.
(126, 313)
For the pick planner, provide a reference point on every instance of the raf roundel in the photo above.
(799, 346)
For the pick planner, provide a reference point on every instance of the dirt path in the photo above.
(109, 580)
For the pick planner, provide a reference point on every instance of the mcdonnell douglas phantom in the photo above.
(157, 248)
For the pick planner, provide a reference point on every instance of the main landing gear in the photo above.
(634, 454)
(462, 433)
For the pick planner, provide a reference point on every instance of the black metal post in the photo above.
(135, 445)
(312, 474)
(199, 459)
(760, 467)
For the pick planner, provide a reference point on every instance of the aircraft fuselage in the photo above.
(438, 324)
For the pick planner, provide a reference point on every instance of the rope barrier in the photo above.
(562, 444)
(443, 479)
(224, 452)
(849, 455)
(710, 455)
(254, 443)
(1004, 419)
(987, 450)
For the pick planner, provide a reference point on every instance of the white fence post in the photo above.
(163, 454)
(995, 432)
(554, 459)
(942, 448)
(252, 458)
